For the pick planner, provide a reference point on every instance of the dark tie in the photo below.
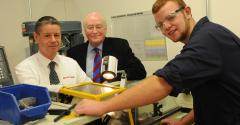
(53, 77)
(97, 66)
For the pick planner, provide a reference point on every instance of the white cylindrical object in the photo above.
(109, 67)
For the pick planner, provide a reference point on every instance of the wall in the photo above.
(13, 13)
(225, 13)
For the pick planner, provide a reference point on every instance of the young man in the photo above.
(208, 66)
(95, 28)
(37, 69)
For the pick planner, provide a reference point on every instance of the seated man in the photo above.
(47, 68)
(95, 28)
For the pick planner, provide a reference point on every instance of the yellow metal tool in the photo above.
(95, 91)
(91, 90)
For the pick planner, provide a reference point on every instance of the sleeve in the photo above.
(25, 74)
(81, 75)
(198, 62)
(131, 64)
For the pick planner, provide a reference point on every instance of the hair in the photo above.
(160, 3)
(94, 14)
(46, 20)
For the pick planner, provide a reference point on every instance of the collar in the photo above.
(199, 25)
(45, 61)
(90, 47)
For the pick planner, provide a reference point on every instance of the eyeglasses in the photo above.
(97, 27)
(169, 18)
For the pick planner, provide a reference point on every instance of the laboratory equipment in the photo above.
(109, 70)
(71, 35)
(91, 90)
(5, 74)
(10, 110)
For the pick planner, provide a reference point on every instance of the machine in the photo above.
(5, 74)
(71, 35)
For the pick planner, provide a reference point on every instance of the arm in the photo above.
(186, 120)
(81, 75)
(25, 74)
(147, 91)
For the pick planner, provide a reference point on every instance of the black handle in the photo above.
(67, 112)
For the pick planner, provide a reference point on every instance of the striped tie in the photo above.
(53, 77)
(97, 66)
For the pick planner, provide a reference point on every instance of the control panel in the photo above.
(5, 74)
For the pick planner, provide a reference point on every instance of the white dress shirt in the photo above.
(35, 70)
(90, 59)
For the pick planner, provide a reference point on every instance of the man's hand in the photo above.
(90, 107)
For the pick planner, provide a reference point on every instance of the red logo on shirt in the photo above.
(68, 77)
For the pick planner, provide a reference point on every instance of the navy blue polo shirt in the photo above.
(209, 66)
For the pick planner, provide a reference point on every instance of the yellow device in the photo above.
(91, 90)
(95, 91)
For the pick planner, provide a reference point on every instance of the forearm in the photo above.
(147, 91)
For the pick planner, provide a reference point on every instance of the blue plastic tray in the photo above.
(9, 109)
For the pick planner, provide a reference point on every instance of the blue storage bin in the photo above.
(9, 109)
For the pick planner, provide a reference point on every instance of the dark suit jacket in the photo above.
(118, 48)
